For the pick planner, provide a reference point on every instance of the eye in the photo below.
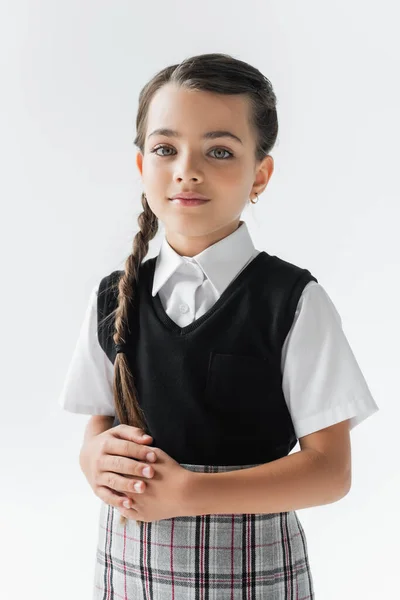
(223, 150)
(163, 147)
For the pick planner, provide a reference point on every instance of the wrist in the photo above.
(96, 425)
(196, 494)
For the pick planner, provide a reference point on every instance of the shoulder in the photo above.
(107, 289)
(285, 268)
(318, 305)
(109, 283)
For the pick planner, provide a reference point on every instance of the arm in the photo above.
(318, 474)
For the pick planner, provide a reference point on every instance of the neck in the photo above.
(191, 246)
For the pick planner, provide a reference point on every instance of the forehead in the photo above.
(192, 112)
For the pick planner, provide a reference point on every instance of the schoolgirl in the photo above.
(227, 356)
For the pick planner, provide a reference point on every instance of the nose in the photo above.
(188, 170)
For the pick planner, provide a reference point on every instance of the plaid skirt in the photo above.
(205, 557)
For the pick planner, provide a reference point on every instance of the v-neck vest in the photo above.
(211, 391)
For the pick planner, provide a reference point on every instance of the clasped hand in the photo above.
(113, 462)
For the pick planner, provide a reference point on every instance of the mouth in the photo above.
(188, 201)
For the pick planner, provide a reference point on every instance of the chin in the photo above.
(188, 226)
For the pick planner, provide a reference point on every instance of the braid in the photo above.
(125, 395)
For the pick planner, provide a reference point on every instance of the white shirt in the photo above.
(321, 380)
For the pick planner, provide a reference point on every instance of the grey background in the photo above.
(70, 195)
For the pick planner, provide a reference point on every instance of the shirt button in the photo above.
(183, 308)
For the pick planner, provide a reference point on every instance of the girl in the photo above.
(224, 354)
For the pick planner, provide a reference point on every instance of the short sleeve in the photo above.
(322, 381)
(88, 386)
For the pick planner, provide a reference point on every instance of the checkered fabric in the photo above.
(204, 557)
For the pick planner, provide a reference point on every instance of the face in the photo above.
(223, 169)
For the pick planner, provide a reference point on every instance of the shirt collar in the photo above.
(220, 262)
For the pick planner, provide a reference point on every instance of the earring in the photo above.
(252, 201)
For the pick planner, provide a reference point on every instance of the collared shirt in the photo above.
(321, 379)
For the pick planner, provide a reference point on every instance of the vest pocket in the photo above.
(239, 391)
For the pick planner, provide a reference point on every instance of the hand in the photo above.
(166, 493)
(107, 461)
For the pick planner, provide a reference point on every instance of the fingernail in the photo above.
(137, 486)
(126, 503)
(145, 436)
(150, 456)
(146, 471)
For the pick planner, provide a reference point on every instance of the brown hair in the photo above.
(219, 73)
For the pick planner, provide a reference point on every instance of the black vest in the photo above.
(211, 392)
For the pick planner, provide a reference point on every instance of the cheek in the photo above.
(233, 189)
(231, 177)
(158, 205)
(153, 170)
(157, 186)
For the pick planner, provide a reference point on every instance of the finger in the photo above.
(121, 465)
(127, 515)
(120, 447)
(121, 484)
(128, 511)
(134, 434)
(114, 499)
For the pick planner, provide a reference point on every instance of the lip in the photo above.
(185, 202)
(189, 196)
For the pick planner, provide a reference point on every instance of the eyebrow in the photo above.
(209, 135)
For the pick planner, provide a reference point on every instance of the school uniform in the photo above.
(235, 354)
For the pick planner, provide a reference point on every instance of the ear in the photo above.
(139, 162)
(264, 174)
